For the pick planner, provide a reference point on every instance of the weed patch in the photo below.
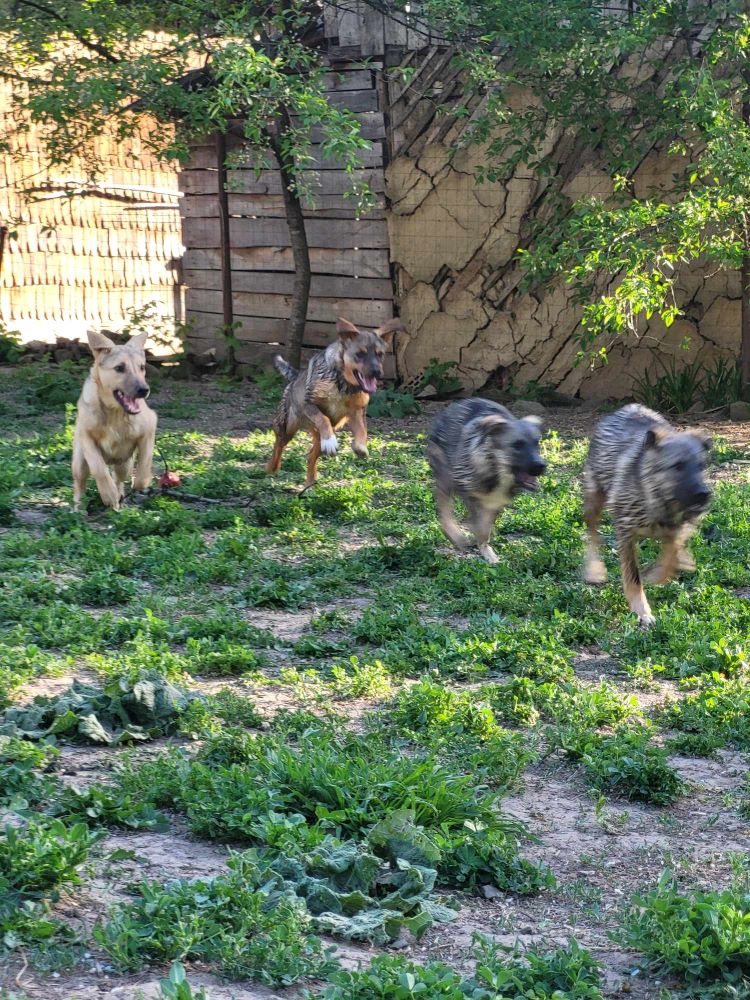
(229, 921)
(702, 937)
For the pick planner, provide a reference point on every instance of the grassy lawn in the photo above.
(281, 735)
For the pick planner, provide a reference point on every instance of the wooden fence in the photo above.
(78, 254)
(351, 270)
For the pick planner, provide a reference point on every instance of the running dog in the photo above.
(114, 425)
(334, 388)
(650, 475)
(481, 454)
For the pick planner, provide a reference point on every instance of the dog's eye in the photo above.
(119, 368)
(678, 466)
(143, 368)
(361, 355)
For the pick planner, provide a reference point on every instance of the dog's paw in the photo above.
(329, 445)
(686, 562)
(489, 555)
(361, 450)
(646, 620)
(595, 572)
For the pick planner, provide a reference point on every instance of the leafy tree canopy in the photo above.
(202, 66)
(624, 80)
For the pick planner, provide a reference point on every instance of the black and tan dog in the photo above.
(114, 425)
(483, 455)
(650, 475)
(334, 389)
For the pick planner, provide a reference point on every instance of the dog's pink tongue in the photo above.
(369, 384)
(131, 404)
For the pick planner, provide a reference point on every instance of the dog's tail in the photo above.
(286, 371)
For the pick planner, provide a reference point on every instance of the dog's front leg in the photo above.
(665, 567)
(631, 579)
(80, 475)
(445, 509)
(321, 423)
(482, 520)
(109, 490)
(358, 424)
(685, 558)
(144, 460)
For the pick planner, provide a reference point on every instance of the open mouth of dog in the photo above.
(368, 383)
(526, 481)
(130, 404)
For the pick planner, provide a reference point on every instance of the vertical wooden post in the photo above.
(226, 246)
(745, 269)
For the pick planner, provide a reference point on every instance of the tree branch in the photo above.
(97, 47)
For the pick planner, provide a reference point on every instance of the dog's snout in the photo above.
(538, 468)
(142, 391)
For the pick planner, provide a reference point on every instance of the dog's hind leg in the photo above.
(80, 475)
(594, 570)
(282, 440)
(312, 462)
(482, 521)
(449, 524)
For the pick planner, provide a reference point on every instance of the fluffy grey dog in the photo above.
(650, 475)
(480, 453)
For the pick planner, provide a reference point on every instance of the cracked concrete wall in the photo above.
(454, 244)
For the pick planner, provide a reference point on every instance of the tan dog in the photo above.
(334, 389)
(114, 424)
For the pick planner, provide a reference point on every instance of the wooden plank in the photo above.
(344, 54)
(271, 206)
(334, 233)
(356, 101)
(281, 283)
(373, 31)
(349, 23)
(355, 263)
(203, 158)
(371, 127)
(205, 326)
(347, 79)
(366, 311)
(328, 182)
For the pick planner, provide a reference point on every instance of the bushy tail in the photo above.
(286, 371)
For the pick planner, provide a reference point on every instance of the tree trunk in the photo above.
(295, 218)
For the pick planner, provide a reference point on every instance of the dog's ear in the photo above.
(139, 341)
(345, 329)
(387, 331)
(655, 436)
(705, 440)
(493, 423)
(99, 344)
(533, 421)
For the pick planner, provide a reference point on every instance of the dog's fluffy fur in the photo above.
(334, 389)
(480, 453)
(650, 475)
(114, 425)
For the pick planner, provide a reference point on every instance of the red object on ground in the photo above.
(169, 480)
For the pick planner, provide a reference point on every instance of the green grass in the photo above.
(380, 690)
